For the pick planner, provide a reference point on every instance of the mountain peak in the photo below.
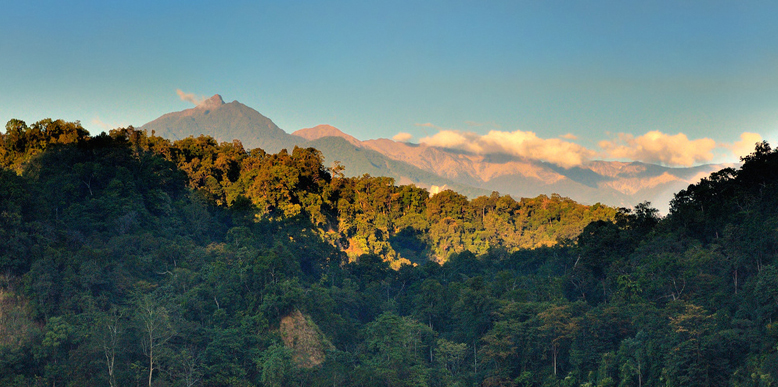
(224, 122)
(212, 102)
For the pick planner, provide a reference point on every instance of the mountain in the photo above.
(224, 122)
(608, 182)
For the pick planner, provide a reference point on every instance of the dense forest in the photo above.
(127, 259)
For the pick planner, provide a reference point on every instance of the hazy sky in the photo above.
(676, 82)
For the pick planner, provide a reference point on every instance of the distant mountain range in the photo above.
(234, 120)
(608, 182)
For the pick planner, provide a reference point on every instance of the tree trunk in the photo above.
(475, 358)
(554, 352)
(151, 362)
(109, 348)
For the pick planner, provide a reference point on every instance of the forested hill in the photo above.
(361, 215)
(130, 260)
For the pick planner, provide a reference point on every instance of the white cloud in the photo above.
(434, 190)
(453, 139)
(190, 97)
(746, 145)
(653, 147)
(661, 148)
(402, 137)
(518, 143)
(528, 144)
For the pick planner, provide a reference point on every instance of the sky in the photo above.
(677, 83)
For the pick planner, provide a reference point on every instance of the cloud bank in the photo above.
(518, 143)
(190, 97)
(660, 148)
(672, 150)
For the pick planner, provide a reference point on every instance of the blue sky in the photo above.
(598, 79)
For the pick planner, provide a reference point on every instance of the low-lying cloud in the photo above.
(660, 148)
(402, 137)
(518, 143)
(190, 97)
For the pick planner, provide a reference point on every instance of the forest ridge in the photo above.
(129, 259)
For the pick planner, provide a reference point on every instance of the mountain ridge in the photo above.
(616, 183)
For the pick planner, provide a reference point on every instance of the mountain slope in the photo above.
(321, 131)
